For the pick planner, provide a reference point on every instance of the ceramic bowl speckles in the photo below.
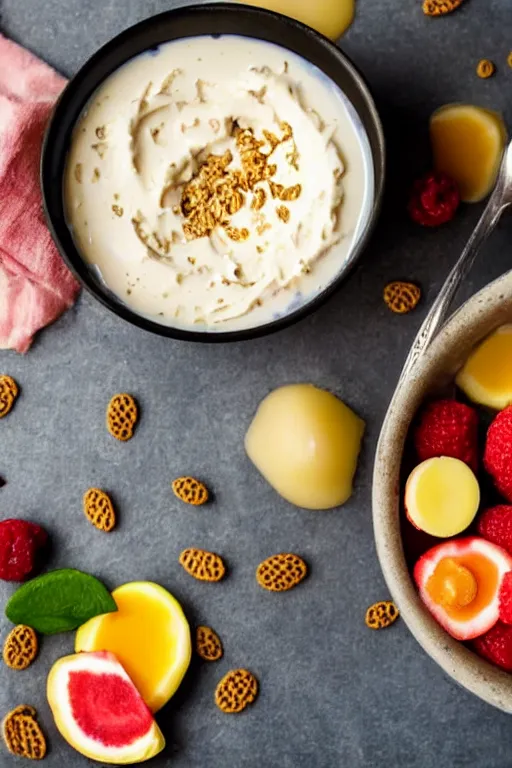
(478, 317)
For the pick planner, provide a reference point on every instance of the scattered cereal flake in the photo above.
(440, 7)
(485, 68)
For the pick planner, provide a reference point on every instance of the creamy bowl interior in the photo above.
(476, 319)
(215, 182)
(214, 172)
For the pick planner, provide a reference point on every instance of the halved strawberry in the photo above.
(459, 581)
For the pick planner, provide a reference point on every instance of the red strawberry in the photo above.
(448, 428)
(495, 524)
(496, 646)
(506, 599)
(20, 546)
(498, 452)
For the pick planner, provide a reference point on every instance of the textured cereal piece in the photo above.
(20, 647)
(509, 59)
(122, 414)
(208, 644)
(401, 297)
(190, 490)
(99, 510)
(485, 68)
(22, 733)
(8, 394)
(381, 615)
(202, 565)
(236, 691)
(440, 7)
(280, 573)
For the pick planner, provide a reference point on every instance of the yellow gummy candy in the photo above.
(486, 377)
(467, 144)
(442, 496)
(305, 442)
(329, 17)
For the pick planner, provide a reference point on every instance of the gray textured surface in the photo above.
(332, 693)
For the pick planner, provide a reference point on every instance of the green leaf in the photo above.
(59, 601)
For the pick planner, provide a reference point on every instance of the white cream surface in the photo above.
(134, 182)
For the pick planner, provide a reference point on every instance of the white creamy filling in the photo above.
(138, 200)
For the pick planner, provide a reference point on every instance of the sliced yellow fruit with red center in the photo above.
(486, 377)
(442, 496)
(459, 581)
(306, 442)
(99, 711)
(150, 636)
(467, 144)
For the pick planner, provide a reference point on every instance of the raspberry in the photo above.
(496, 646)
(448, 428)
(506, 599)
(20, 545)
(498, 452)
(434, 200)
(495, 524)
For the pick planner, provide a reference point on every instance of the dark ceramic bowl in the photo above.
(193, 21)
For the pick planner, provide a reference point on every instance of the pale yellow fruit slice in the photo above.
(306, 442)
(442, 496)
(467, 144)
(150, 636)
(330, 17)
(486, 377)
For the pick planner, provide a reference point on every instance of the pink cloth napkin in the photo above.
(35, 285)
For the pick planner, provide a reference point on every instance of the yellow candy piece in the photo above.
(486, 377)
(442, 496)
(305, 442)
(467, 144)
(330, 17)
(150, 636)
(452, 584)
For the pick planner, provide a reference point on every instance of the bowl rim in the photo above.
(472, 322)
(153, 31)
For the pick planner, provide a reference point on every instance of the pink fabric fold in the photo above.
(35, 285)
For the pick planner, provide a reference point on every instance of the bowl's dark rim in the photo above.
(193, 21)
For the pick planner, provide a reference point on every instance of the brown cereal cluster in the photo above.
(280, 573)
(401, 297)
(381, 615)
(208, 644)
(216, 192)
(440, 7)
(122, 414)
(202, 565)
(485, 68)
(22, 733)
(236, 691)
(20, 647)
(190, 490)
(8, 394)
(99, 510)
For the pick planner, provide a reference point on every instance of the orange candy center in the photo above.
(463, 585)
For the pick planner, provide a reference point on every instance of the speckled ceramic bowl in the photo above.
(467, 327)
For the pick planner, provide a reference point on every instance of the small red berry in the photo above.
(496, 646)
(495, 525)
(434, 200)
(498, 452)
(21, 543)
(506, 599)
(448, 428)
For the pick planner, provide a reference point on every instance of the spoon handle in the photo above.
(441, 306)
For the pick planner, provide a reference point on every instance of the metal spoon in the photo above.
(499, 200)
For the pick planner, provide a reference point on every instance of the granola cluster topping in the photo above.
(218, 190)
